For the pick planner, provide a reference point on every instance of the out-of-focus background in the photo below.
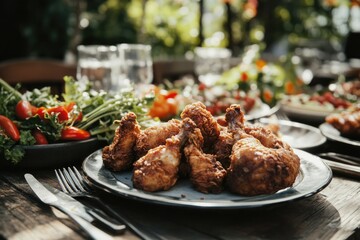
(53, 29)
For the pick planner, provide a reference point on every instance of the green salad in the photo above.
(39, 117)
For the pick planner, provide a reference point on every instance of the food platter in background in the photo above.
(333, 134)
(312, 108)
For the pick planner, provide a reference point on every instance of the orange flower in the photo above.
(268, 95)
(244, 77)
(289, 87)
(260, 64)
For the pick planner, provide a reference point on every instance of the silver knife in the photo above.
(84, 211)
(70, 206)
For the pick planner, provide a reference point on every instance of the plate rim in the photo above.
(59, 144)
(299, 125)
(272, 110)
(338, 138)
(123, 190)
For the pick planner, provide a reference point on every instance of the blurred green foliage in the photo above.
(172, 27)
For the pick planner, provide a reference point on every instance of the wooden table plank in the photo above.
(334, 213)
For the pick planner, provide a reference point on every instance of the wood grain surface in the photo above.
(334, 213)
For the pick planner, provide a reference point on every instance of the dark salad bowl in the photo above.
(55, 155)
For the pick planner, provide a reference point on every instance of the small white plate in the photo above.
(298, 135)
(333, 134)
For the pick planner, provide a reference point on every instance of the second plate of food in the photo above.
(333, 134)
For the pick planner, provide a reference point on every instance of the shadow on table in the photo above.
(311, 218)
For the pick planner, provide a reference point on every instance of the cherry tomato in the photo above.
(41, 112)
(163, 108)
(171, 94)
(249, 103)
(10, 128)
(24, 110)
(60, 111)
(74, 114)
(74, 133)
(40, 138)
(202, 87)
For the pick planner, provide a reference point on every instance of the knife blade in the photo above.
(74, 209)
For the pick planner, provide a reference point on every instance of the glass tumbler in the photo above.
(136, 63)
(210, 63)
(98, 65)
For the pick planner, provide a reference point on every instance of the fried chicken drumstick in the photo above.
(206, 173)
(120, 155)
(156, 136)
(204, 121)
(260, 163)
(158, 169)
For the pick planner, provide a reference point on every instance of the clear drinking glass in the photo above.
(210, 63)
(136, 62)
(98, 65)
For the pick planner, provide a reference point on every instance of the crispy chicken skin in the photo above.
(156, 136)
(256, 169)
(119, 155)
(204, 121)
(158, 169)
(347, 122)
(206, 173)
(260, 163)
(234, 118)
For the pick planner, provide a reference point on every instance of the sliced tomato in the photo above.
(10, 128)
(24, 110)
(40, 138)
(74, 133)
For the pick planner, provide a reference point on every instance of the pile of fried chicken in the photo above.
(346, 122)
(245, 158)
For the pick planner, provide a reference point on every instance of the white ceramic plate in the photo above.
(305, 112)
(298, 135)
(261, 111)
(314, 176)
(333, 134)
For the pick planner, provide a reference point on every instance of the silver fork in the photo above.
(73, 183)
(281, 115)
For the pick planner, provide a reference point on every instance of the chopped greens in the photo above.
(99, 109)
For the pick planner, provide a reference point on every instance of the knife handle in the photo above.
(353, 171)
(94, 232)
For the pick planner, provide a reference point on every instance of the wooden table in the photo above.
(334, 213)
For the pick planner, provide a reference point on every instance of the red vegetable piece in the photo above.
(10, 128)
(24, 110)
(40, 138)
(61, 112)
(74, 133)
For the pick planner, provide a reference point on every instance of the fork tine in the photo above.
(63, 183)
(81, 179)
(69, 180)
(75, 179)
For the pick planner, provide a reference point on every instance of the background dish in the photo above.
(305, 113)
(314, 176)
(333, 134)
(56, 154)
(298, 135)
(261, 111)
